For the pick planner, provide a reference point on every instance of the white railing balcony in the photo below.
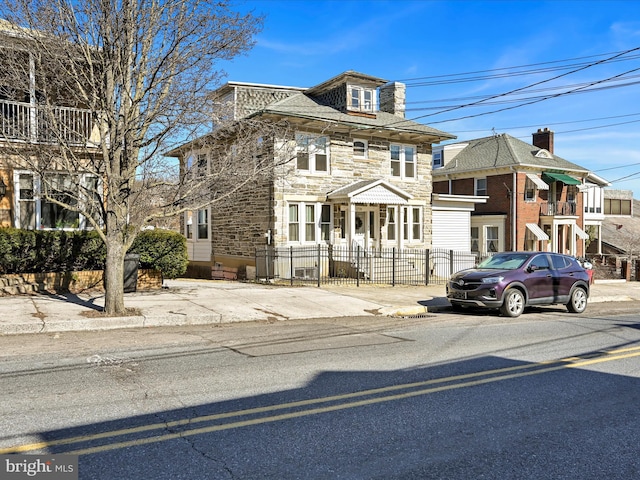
(23, 122)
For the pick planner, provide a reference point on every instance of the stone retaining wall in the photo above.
(74, 282)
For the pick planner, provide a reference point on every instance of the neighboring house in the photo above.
(593, 194)
(621, 225)
(30, 127)
(360, 176)
(535, 199)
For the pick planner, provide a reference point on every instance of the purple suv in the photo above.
(511, 281)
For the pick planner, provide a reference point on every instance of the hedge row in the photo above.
(39, 251)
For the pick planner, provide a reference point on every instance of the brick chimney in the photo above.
(392, 98)
(543, 138)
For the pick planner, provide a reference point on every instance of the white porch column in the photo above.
(352, 223)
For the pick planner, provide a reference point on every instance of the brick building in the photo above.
(534, 198)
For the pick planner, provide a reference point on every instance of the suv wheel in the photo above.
(513, 304)
(578, 301)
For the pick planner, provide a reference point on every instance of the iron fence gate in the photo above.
(324, 264)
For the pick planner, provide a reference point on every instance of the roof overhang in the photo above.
(445, 201)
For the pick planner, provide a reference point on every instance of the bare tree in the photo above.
(115, 84)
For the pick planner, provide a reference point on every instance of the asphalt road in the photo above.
(546, 396)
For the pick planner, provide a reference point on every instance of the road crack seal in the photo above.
(39, 315)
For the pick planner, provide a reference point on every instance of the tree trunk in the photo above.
(114, 278)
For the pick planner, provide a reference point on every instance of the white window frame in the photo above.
(309, 229)
(188, 225)
(475, 239)
(312, 145)
(38, 201)
(392, 224)
(530, 191)
(497, 245)
(412, 229)
(401, 162)
(477, 187)
(357, 99)
(365, 148)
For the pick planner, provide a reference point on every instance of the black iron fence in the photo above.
(324, 264)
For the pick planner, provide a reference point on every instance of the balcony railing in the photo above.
(40, 124)
(558, 208)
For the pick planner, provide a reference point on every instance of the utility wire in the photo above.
(527, 87)
(510, 69)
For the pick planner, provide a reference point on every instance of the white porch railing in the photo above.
(39, 124)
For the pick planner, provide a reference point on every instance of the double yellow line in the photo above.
(333, 403)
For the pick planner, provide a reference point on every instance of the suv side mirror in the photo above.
(532, 268)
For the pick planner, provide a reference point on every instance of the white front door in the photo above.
(366, 227)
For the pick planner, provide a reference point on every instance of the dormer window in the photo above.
(362, 99)
(542, 153)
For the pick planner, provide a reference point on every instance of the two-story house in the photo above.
(37, 116)
(535, 198)
(360, 174)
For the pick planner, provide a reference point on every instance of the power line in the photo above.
(527, 87)
(615, 54)
(555, 123)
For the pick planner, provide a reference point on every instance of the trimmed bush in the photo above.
(44, 251)
(162, 250)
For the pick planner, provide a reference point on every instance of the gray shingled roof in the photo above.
(503, 151)
(302, 106)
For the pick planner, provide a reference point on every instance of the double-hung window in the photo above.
(437, 159)
(481, 186)
(391, 223)
(529, 191)
(411, 224)
(203, 224)
(362, 99)
(491, 238)
(403, 161)
(312, 153)
(309, 222)
(53, 200)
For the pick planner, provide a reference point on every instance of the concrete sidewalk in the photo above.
(192, 302)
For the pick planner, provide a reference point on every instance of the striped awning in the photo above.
(537, 231)
(581, 233)
(538, 182)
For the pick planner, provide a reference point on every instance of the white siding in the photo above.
(199, 251)
(452, 230)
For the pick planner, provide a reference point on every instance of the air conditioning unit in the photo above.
(305, 273)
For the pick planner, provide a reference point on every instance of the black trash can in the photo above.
(131, 261)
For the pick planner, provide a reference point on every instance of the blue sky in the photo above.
(504, 45)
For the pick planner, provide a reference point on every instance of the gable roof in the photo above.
(306, 108)
(503, 150)
(371, 191)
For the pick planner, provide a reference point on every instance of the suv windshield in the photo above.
(504, 261)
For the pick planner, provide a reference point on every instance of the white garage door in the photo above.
(452, 230)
